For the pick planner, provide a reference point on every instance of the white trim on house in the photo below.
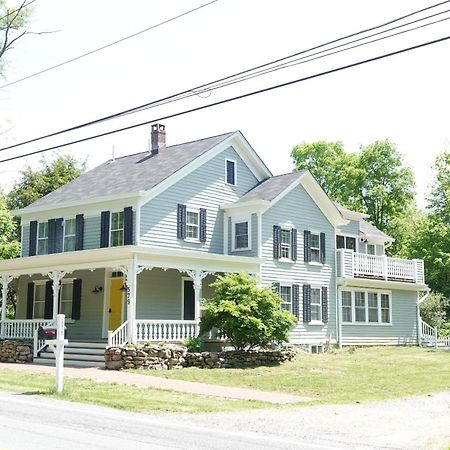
(69, 235)
(194, 211)
(379, 284)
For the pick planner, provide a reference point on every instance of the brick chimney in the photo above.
(158, 138)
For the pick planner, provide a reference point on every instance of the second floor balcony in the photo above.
(360, 265)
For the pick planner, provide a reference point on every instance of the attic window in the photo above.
(230, 172)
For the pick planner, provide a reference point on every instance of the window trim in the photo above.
(195, 211)
(69, 235)
(226, 171)
(315, 263)
(118, 229)
(289, 230)
(39, 283)
(41, 239)
(315, 321)
(289, 285)
(60, 300)
(379, 292)
(235, 221)
(345, 236)
(374, 249)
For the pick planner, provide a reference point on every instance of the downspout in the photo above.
(338, 309)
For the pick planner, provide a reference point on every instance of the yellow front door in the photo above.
(115, 304)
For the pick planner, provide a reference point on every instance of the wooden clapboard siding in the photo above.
(403, 329)
(205, 187)
(299, 210)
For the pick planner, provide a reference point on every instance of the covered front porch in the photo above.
(122, 295)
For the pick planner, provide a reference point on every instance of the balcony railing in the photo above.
(360, 265)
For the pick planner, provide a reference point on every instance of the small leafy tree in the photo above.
(433, 309)
(248, 315)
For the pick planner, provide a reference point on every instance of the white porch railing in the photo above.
(165, 330)
(22, 329)
(118, 337)
(428, 334)
(352, 264)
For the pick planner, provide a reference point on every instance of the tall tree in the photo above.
(9, 246)
(374, 180)
(439, 198)
(35, 183)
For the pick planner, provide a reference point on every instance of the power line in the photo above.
(239, 97)
(103, 47)
(235, 77)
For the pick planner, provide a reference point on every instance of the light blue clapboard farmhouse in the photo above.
(127, 250)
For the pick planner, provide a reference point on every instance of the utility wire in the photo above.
(239, 97)
(76, 58)
(240, 76)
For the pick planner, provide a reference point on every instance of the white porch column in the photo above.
(5, 280)
(197, 277)
(130, 273)
(56, 276)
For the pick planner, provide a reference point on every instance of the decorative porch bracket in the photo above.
(56, 276)
(4, 280)
(197, 277)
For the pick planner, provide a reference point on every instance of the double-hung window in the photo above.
(192, 224)
(369, 307)
(241, 236)
(117, 229)
(66, 298)
(286, 244)
(286, 297)
(347, 242)
(371, 249)
(69, 235)
(360, 306)
(39, 300)
(230, 172)
(315, 247)
(316, 305)
(43, 238)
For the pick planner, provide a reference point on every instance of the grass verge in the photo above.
(350, 375)
(128, 398)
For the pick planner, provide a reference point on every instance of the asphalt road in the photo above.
(30, 422)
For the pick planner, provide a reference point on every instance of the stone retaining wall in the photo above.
(176, 357)
(16, 351)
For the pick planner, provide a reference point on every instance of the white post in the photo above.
(56, 276)
(5, 280)
(58, 349)
(130, 273)
(435, 338)
(339, 318)
(197, 277)
(385, 268)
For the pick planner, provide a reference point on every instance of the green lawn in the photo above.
(349, 375)
(127, 398)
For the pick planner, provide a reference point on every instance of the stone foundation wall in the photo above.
(176, 357)
(16, 351)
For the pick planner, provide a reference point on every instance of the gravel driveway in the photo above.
(412, 423)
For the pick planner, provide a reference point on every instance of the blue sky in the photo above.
(404, 99)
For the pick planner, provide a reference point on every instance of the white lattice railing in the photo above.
(428, 334)
(165, 330)
(353, 264)
(118, 337)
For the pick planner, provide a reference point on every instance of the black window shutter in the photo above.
(276, 288)
(48, 306)
(51, 236)
(33, 238)
(202, 225)
(59, 235)
(76, 299)
(296, 300)
(306, 303)
(322, 248)
(128, 226)
(324, 304)
(276, 242)
(79, 232)
(307, 245)
(104, 229)
(181, 221)
(294, 244)
(30, 300)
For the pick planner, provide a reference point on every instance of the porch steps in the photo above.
(78, 354)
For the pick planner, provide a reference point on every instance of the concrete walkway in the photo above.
(148, 381)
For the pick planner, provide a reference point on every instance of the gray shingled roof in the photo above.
(130, 174)
(270, 188)
(370, 230)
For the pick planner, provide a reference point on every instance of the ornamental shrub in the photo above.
(250, 316)
(433, 309)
